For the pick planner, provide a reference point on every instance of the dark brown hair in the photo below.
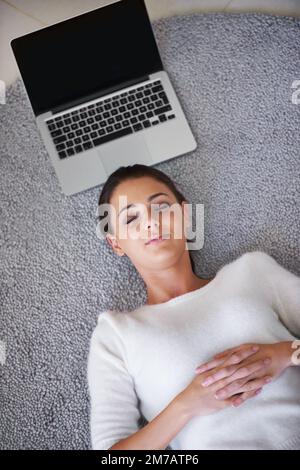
(137, 170)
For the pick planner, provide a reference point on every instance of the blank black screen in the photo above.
(82, 55)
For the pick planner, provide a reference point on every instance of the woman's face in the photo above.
(153, 212)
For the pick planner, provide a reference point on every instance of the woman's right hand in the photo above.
(198, 400)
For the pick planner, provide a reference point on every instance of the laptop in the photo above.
(100, 94)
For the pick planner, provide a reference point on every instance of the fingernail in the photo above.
(206, 382)
(236, 403)
(258, 391)
(255, 348)
(219, 395)
(268, 379)
(267, 360)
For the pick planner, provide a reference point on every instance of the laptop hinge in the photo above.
(93, 96)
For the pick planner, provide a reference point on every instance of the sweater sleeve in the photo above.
(285, 288)
(114, 412)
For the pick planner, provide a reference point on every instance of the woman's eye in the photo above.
(163, 205)
(160, 206)
(130, 220)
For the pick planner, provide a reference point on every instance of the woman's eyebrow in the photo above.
(149, 199)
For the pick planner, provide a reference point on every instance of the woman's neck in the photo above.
(164, 285)
(163, 293)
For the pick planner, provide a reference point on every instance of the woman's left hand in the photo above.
(280, 354)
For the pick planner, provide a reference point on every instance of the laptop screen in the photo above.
(83, 55)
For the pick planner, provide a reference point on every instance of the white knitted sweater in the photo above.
(140, 360)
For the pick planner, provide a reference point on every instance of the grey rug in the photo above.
(233, 75)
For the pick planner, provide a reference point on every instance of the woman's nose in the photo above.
(152, 219)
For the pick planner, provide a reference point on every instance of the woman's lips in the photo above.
(156, 241)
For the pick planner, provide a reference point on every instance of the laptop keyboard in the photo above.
(109, 119)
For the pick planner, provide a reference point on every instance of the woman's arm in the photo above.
(114, 403)
(229, 369)
(194, 400)
(282, 287)
(158, 433)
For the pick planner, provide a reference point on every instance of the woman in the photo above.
(238, 328)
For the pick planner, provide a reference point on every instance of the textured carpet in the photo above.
(233, 75)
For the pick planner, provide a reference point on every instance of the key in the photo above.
(112, 136)
(164, 109)
(60, 139)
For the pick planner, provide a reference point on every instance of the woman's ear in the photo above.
(112, 241)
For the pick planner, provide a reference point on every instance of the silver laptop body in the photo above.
(89, 135)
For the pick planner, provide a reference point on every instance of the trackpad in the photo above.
(124, 151)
